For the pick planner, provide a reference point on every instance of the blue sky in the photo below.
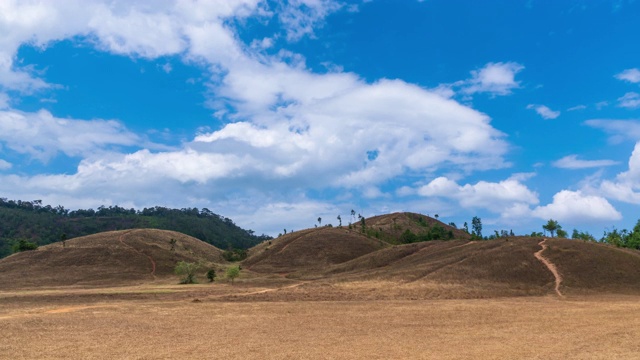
(275, 113)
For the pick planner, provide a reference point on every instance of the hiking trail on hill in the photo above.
(153, 263)
(551, 266)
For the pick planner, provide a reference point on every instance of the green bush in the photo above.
(233, 272)
(211, 275)
(23, 245)
(233, 255)
(188, 271)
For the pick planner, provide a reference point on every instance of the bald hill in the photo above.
(344, 263)
(109, 258)
(451, 268)
(44, 224)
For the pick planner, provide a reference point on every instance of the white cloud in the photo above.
(299, 139)
(575, 206)
(577, 107)
(495, 197)
(630, 100)
(618, 129)
(572, 162)
(626, 186)
(495, 78)
(630, 75)
(301, 17)
(544, 111)
(5, 165)
(289, 129)
(302, 214)
(42, 135)
(131, 28)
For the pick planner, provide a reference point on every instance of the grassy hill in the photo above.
(338, 258)
(446, 268)
(398, 228)
(311, 250)
(45, 224)
(110, 258)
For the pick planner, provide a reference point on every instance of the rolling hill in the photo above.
(448, 268)
(109, 258)
(336, 258)
(310, 251)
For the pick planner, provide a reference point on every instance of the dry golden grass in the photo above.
(350, 298)
(164, 322)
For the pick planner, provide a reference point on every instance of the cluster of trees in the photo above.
(233, 255)
(45, 224)
(624, 238)
(189, 270)
(620, 238)
(436, 232)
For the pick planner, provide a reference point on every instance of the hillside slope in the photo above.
(310, 251)
(110, 258)
(500, 267)
(391, 227)
(346, 259)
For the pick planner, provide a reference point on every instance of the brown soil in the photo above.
(551, 266)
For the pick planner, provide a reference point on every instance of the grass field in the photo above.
(234, 322)
(321, 294)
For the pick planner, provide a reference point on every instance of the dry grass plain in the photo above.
(321, 294)
(221, 321)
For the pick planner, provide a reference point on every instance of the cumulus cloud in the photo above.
(630, 100)
(626, 186)
(630, 75)
(544, 111)
(327, 129)
(286, 129)
(139, 29)
(575, 206)
(495, 197)
(572, 162)
(494, 78)
(42, 135)
(301, 214)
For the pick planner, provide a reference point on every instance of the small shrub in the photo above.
(233, 272)
(233, 255)
(188, 271)
(211, 275)
(23, 245)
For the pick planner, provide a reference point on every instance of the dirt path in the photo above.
(153, 262)
(551, 266)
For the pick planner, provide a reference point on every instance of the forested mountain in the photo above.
(30, 220)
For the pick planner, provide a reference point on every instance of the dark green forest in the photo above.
(45, 224)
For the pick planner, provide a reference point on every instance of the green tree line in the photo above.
(45, 224)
